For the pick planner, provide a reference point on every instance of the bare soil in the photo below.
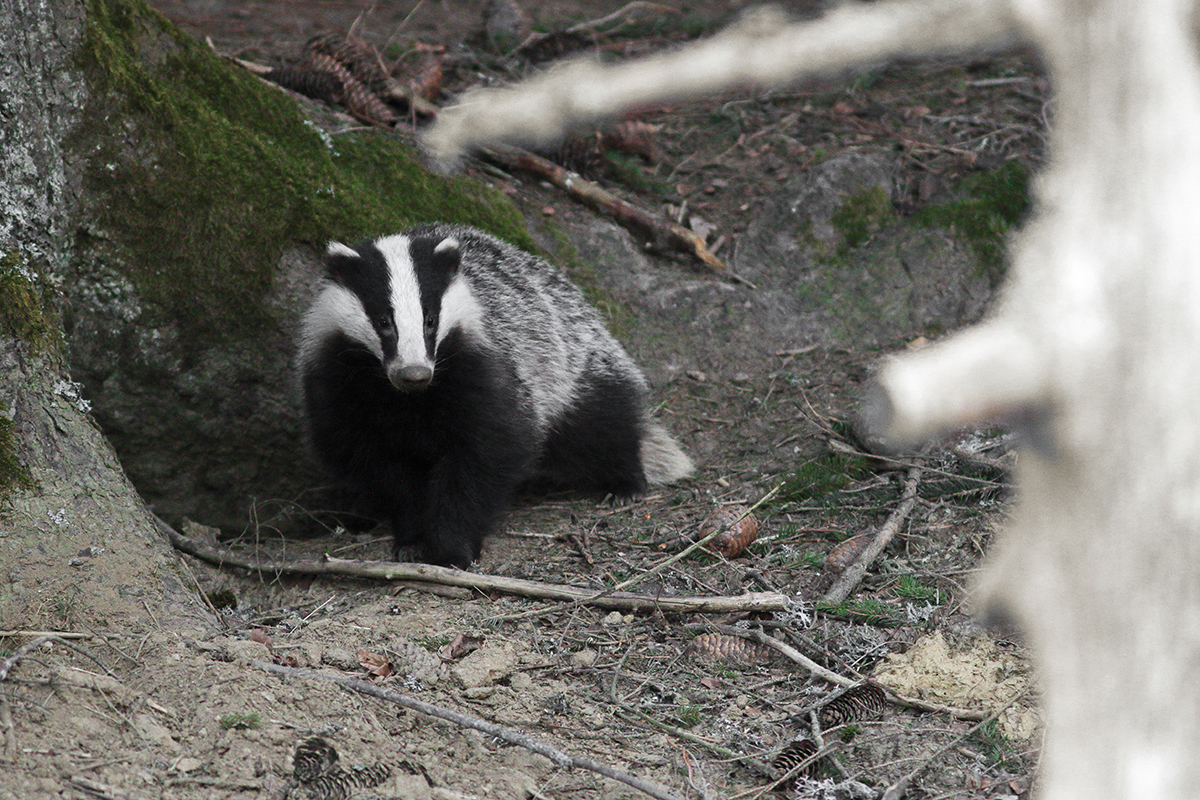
(191, 718)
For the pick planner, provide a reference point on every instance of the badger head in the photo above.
(398, 297)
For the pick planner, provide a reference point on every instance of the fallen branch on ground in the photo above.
(58, 634)
(661, 233)
(849, 579)
(513, 737)
(10, 662)
(445, 576)
(537, 37)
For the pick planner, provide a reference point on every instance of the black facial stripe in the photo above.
(434, 273)
(367, 277)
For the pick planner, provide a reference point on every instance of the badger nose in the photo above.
(411, 377)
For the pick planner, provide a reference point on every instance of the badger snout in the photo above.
(409, 377)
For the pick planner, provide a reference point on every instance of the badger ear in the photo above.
(337, 258)
(447, 254)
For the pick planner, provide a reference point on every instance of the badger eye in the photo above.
(384, 323)
(430, 326)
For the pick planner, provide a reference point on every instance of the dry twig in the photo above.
(445, 576)
(897, 789)
(788, 651)
(513, 737)
(663, 234)
(845, 584)
(12, 660)
(832, 677)
(55, 634)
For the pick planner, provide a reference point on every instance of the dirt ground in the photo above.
(681, 701)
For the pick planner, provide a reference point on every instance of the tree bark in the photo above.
(79, 547)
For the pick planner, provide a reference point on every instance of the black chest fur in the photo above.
(439, 464)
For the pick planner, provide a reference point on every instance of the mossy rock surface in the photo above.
(842, 268)
(208, 195)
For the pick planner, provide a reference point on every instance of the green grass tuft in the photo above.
(241, 722)
(909, 588)
(827, 474)
(866, 611)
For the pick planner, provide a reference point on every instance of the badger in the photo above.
(442, 368)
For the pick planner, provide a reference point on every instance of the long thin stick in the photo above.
(429, 573)
(818, 671)
(513, 737)
(664, 234)
(696, 545)
(642, 576)
(849, 579)
(12, 660)
(789, 652)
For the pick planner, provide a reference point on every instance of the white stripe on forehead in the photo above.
(405, 295)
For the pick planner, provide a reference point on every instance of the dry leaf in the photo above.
(423, 75)
(377, 666)
(461, 646)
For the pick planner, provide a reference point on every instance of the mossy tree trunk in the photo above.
(78, 546)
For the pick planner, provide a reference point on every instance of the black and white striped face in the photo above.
(397, 296)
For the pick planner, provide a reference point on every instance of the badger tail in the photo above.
(663, 460)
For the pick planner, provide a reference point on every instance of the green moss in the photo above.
(23, 315)
(995, 201)
(860, 216)
(14, 476)
(217, 172)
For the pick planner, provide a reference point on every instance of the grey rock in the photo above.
(834, 270)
